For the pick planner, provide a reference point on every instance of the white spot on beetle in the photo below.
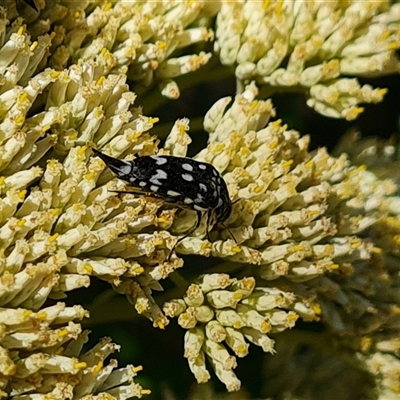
(187, 177)
(198, 208)
(202, 166)
(188, 200)
(159, 160)
(219, 202)
(160, 174)
(173, 193)
(203, 187)
(155, 181)
(142, 184)
(187, 167)
(125, 169)
(154, 188)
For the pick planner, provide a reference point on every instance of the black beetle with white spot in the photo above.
(180, 181)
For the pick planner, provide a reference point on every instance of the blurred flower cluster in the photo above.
(312, 237)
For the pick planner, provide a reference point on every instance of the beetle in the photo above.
(179, 181)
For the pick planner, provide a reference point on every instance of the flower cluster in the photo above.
(311, 235)
(141, 36)
(221, 309)
(311, 47)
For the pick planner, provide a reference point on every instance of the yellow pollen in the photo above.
(138, 270)
(145, 391)
(103, 51)
(27, 313)
(206, 245)
(309, 164)
(236, 249)
(100, 80)
(382, 92)
(41, 315)
(80, 365)
(20, 119)
(334, 266)
(238, 295)
(316, 308)
(55, 211)
(21, 222)
(21, 30)
(393, 45)
(107, 6)
(153, 120)
(33, 46)
(298, 248)
(158, 242)
(254, 104)
(160, 324)
(53, 238)
(23, 97)
(82, 150)
(162, 45)
(54, 74)
(90, 176)
(273, 145)
(73, 136)
(98, 367)
(258, 189)
(237, 325)
(377, 250)
(62, 333)
(276, 123)
(265, 326)
(137, 369)
(395, 309)
(88, 268)
(22, 194)
(219, 147)
(287, 163)
(46, 128)
(293, 317)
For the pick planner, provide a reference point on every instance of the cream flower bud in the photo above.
(194, 339)
(259, 339)
(175, 307)
(223, 298)
(236, 341)
(227, 377)
(194, 296)
(230, 318)
(204, 313)
(215, 331)
(215, 281)
(217, 352)
(198, 368)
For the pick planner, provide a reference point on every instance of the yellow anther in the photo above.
(21, 222)
(88, 268)
(80, 365)
(53, 238)
(62, 333)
